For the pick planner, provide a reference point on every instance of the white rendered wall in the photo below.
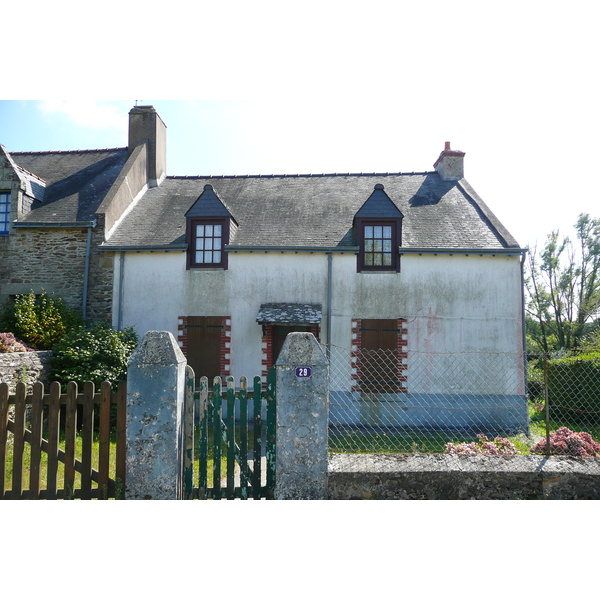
(451, 303)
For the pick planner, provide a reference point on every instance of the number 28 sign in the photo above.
(303, 372)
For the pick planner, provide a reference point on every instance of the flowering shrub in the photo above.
(9, 343)
(498, 447)
(567, 442)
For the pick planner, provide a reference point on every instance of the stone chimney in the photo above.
(450, 164)
(145, 124)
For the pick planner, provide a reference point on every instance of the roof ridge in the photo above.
(291, 175)
(67, 151)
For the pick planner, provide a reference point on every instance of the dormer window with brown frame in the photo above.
(378, 242)
(206, 243)
(208, 229)
(378, 228)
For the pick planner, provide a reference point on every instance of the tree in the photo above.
(563, 287)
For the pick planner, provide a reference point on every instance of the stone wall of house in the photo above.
(100, 291)
(45, 259)
(28, 367)
(53, 260)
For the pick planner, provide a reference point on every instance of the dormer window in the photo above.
(209, 228)
(4, 212)
(378, 227)
(378, 244)
(208, 239)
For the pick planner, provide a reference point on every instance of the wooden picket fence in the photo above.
(50, 447)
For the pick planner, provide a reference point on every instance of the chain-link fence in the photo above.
(408, 401)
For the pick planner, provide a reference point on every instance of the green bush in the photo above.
(574, 387)
(40, 321)
(99, 353)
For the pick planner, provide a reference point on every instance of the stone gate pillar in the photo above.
(302, 419)
(155, 398)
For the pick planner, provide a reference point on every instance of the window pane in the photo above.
(200, 244)
(368, 245)
(217, 230)
(387, 260)
(217, 244)
(377, 231)
(199, 230)
(208, 257)
(387, 245)
(369, 260)
(209, 230)
(377, 260)
(216, 257)
(208, 244)
(377, 246)
(387, 231)
(199, 256)
(368, 231)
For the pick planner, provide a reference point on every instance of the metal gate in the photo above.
(230, 442)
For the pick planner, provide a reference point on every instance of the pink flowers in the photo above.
(498, 447)
(8, 343)
(569, 443)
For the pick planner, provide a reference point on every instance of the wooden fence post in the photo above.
(155, 404)
(302, 419)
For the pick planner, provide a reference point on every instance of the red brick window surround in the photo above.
(359, 367)
(225, 342)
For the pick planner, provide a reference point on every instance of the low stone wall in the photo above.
(28, 367)
(455, 477)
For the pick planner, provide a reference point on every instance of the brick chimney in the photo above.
(450, 164)
(145, 124)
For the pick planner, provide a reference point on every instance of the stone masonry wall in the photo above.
(28, 367)
(53, 260)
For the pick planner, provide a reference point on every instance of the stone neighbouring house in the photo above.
(412, 262)
(57, 208)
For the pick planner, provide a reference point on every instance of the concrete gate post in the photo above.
(302, 386)
(155, 396)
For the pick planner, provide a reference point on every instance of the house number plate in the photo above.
(303, 372)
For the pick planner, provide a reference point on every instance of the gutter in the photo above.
(296, 249)
(86, 273)
(466, 251)
(157, 248)
(329, 302)
(45, 225)
(120, 296)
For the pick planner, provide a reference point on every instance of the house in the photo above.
(413, 264)
(57, 208)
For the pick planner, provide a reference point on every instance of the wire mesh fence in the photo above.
(409, 401)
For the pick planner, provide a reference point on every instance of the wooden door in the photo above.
(379, 360)
(204, 346)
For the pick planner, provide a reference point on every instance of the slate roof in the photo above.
(76, 182)
(293, 313)
(316, 211)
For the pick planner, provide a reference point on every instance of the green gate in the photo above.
(225, 457)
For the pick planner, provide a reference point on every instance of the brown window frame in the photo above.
(191, 242)
(396, 242)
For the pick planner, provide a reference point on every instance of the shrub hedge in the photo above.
(574, 387)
